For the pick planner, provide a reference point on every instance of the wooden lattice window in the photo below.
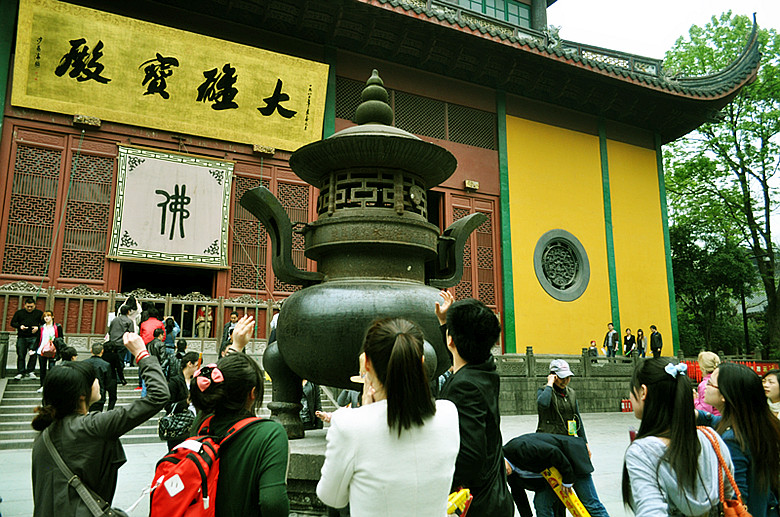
(485, 262)
(295, 200)
(87, 217)
(31, 219)
(465, 288)
(420, 115)
(249, 238)
(425, 116)
(480, 272)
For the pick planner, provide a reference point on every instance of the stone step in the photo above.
(27, 443)
(16, 444)
(147, 427)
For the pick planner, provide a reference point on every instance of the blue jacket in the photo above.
(758, 502)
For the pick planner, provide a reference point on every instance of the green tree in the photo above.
(721, 178)
(708, 277)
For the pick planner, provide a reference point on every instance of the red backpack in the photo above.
(185, 479)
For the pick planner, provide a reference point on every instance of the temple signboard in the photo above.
(74, 60)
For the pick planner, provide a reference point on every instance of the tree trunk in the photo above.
(773, 324)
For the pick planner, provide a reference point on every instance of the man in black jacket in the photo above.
(656, 342)
(27, 322)
(105, 378)
(111, 353)
(611, 340)
(227, 330)
(472, 330)
(528, 455)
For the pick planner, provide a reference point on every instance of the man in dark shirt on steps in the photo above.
(27, 322)
(115, 348)
(105, 378)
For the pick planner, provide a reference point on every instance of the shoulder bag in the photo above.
(175, 426)
(96, 505)
(728, 507)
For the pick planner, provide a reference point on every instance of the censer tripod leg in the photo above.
(286, 392)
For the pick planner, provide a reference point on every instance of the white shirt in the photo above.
(381, 474)
(48, 333)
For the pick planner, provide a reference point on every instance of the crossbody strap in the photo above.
(722, 467)
(73, 480)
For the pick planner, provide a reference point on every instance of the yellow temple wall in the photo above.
(640, 261)
(555, 182)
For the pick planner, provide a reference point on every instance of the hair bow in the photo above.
(206, 374)
(674, 370)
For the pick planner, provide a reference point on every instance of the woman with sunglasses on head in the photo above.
(671, 467)
(394, 455)
(253, 465)
(708, 361)
(750, 431)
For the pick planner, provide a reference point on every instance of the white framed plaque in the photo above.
(171, 208)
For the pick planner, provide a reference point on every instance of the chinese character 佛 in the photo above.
(156, 71)
(176, 204)
(272, 103)
(218, 88)
(83, 63)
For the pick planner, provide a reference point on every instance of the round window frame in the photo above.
(580, 284)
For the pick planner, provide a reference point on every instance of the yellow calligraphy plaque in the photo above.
(74, 60)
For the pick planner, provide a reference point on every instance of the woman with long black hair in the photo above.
(395, 455)
(671, 467)
(253, 466)
(751, 433)
(88, 442)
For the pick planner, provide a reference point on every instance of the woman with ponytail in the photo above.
(253, 465)
(395, 455)
(751, 433)
(671, 467)
(88, 442)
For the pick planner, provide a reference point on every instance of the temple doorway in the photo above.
(173, 280)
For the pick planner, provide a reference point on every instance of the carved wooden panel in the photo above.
(87, 217)
(249, 240)
(33, 203)
(480, 271)
(295, 200)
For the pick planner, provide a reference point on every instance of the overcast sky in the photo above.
(647, 28)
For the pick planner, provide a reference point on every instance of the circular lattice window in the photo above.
(561, 265)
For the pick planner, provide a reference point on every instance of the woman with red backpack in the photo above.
(49, 336)
(252, 476)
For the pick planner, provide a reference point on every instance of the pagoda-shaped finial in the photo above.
(374, 109)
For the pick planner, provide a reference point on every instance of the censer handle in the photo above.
(446, 269)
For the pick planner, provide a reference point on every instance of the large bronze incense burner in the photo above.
(377, 254)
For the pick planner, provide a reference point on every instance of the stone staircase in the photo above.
(20, 399)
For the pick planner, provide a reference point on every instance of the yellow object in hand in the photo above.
(458, 501)
(570, 500)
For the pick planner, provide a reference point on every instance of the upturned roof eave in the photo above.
(712, 87)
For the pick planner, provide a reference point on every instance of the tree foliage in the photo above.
(708, 276)
(722, 179)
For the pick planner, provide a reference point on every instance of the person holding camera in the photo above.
(556, 403)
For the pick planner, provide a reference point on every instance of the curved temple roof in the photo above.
(673, 106)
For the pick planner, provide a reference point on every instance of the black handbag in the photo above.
(96, 505)
(175, 426)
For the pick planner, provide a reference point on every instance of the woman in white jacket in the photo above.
(396, 454)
